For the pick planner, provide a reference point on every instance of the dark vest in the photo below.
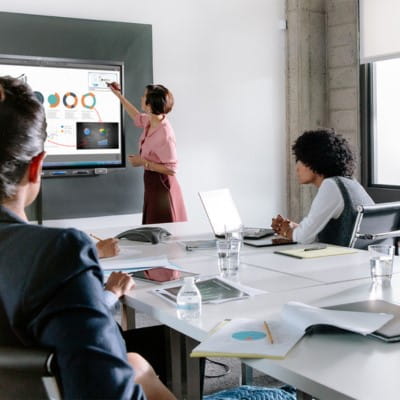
(338, 231)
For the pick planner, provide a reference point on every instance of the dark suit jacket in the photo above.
(51, 294)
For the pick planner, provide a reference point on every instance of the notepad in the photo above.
(325, 252)
(247, 338)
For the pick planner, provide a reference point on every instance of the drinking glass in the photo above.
(381, 262)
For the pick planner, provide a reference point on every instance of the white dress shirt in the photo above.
(327, 204)
(111, 300)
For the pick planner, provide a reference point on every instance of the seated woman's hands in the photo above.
(283, 226)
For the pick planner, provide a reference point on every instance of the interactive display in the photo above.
(84, 118)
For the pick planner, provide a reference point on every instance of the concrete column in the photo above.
(343, 70)
(306, 87)
(322, 80)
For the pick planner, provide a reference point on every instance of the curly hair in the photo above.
(159, 98)
(22, 132)
(325, 152)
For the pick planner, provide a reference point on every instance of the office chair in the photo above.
(376, 224)
(25, 373)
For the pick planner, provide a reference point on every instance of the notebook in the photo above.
(222, 213)
(248, 338)
(315, 251)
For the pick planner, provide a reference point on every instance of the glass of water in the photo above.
(381, 262)
(228, 252)
(223, 247)
(234, 232)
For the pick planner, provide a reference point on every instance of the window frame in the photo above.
(380, 193)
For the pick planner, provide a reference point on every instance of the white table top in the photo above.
(328, 366)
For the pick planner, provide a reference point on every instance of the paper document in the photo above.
(246, 338)
(314, 252)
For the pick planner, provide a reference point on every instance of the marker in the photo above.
(315, 248)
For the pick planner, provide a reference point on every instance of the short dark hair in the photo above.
(22, 132)
(159, 98)
(325, 152)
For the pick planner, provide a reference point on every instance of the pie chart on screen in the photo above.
(54, 100)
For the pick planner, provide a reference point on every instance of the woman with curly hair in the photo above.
(324, 159)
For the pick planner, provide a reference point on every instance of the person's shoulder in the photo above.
(168, 130)
(64, 252)
(45, 233)
(141, 120)
(329, 184)
(329, 189)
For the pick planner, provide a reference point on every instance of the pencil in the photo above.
(269, 333)
(95, 237)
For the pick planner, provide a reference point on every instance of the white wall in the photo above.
(224, 60)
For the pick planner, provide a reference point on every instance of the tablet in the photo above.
(212, 290)
(161, 275)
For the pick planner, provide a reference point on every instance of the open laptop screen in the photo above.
(221, 210)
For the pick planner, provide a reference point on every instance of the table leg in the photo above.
(247, 375)
(186, 374)
(193, 372)
(128, 320)
(175, 352)
(303, 396)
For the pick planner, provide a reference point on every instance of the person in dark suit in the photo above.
(51, 286)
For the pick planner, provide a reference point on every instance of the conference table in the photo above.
(324, 366)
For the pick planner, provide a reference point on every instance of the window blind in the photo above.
(379, 30)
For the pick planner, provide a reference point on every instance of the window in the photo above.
(380, 127)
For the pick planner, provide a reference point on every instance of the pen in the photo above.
(95, 237)
(315, 248)
(269, 333)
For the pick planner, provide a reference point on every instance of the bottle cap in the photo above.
(189, 279)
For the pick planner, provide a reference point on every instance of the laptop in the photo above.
(223, 214)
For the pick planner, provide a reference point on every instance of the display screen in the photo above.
(84, 118)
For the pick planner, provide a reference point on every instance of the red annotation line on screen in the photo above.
(60, 144)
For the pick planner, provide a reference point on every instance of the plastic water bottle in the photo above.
(188, 301)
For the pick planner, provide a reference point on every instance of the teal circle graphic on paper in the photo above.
(249, 335)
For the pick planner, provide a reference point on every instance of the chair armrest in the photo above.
(32, 360)
(374, 236)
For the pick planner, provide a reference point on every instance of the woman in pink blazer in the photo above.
(163, 200)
